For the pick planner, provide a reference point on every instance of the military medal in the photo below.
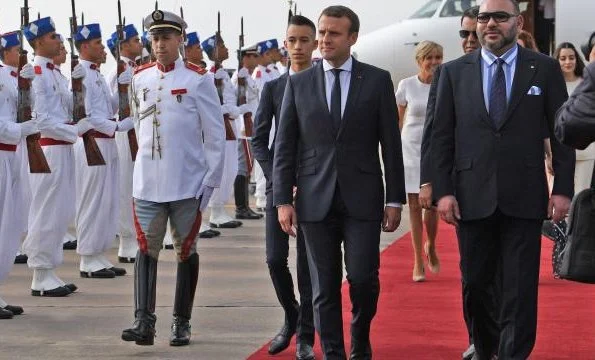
(178, 93)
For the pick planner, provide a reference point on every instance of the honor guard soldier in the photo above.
(178, 165)
(52, 194)
(11, 136)
(249, 92)
(69, 242)
(97, 187)
(282, 64)
(195, 56)
(261, 75)
(9, 54)
(130, 48)
(215, 49)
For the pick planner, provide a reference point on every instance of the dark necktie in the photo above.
(498, 102)
(336, 100)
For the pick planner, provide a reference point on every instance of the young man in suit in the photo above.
(301, 42)
(489, 178)
(333, 118)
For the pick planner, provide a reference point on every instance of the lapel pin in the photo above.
(532, 66)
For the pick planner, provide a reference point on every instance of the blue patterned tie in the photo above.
(336, 100)
(498, 102)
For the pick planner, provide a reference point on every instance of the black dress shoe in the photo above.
(126, 260)
(180, 332)
(143, 330)
(118, 271)
(247, 214)
(71, 287)
(169, 247)
(468, 354)
(304, 352)
(206, 235)
(261, 209)
(57, 292)
(21, 259)
(360, 351)
(5, 314)
(227, 225)
(16, 310)
(70, 245)
(99, 274)
(214, 232)
(282, 340)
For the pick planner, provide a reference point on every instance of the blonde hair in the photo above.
(425, 48)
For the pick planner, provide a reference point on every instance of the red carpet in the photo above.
(424, 320)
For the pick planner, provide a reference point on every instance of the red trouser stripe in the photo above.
(140, 234)
(191, 238)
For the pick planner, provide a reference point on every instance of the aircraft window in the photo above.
(427, 11)
(456, 7)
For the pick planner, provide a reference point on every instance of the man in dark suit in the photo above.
(489, 178)
(300, 42)
(333, 118)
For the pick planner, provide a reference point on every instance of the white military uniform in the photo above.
(189, 150)
(97, 187)
(11, 221)
(53, 195)
(230, 168)
(261, 75)
(128, 245)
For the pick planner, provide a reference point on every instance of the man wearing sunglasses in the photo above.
(488, 174)
(469, 44)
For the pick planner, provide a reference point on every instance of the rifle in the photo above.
(183, 45)
(124, 100)
(37, 162)
(229, 134)
(92, 152)
(248, 123)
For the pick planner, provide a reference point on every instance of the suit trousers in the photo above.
(277, 253)
(506, 250)
(361, 241)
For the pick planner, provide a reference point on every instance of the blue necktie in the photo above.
(498, 102)
(336, 100)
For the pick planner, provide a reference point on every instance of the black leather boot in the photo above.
(283, 284)
(145, 281)
(241, 195)
(185, 289)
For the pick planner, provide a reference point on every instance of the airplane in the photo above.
(393, 47)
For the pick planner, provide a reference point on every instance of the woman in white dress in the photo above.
(572, 68)
(412, 99)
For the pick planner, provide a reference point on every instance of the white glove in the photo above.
(204, 195)
(125, 125)
(78, 72)
(245, 108)
(243, 73)
(27, 72)
(29, 128)
(82, 126)
(125, 78)
(221, 74)
(232, 110)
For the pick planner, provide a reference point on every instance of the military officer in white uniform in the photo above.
(130, 48)
(97, 187)
(217, 52)
(11, 138)
(179, 163)
(52, 195)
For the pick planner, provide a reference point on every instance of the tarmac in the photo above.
(235, 310)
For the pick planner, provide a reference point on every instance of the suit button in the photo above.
(498, 135)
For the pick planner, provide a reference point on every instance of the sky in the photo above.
(263, 19)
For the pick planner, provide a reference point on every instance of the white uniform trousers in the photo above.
(52, 208)
(128, 244)
(97, 199)
(10, 224)
(24, 202)
(222, 194)
(582, 175)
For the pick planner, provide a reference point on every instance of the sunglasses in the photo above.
(498, 16)
(465, 34)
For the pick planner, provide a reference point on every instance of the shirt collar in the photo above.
(347, 65)
(169, 67)
(40, 60)
(128, 61)
(89, 64)
(508, 56)
(291, 72)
